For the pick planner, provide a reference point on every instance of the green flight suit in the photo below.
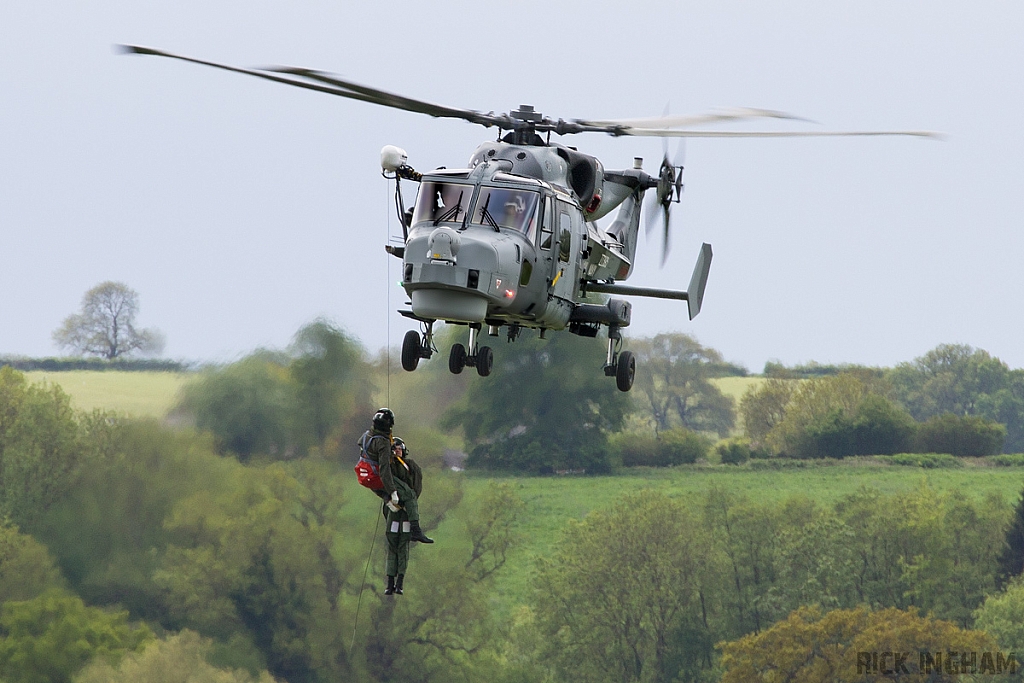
(397, 534)
(378, 449)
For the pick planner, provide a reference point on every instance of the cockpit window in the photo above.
(439, 202)
(507, 208)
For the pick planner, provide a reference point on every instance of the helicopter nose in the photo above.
(443, 245)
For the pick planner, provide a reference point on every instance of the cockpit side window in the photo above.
(440, 202)
(547, 230)
(500, 207)
(564, 236)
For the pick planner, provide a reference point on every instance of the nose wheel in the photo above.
(416, 346)
(482, 358)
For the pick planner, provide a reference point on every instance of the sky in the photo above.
(240, 210)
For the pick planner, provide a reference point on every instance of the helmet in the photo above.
(384, 420)
(399, 445)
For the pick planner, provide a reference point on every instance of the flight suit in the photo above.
(379, 451)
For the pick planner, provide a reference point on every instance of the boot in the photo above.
(390, 588)
(399, 580)
(417, 533)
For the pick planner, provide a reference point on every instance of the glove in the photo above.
(393, 502)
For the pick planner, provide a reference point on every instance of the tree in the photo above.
(332, 386)
(1011, 557)
(764, 406)
(840, 416)
(948, 379)
(248, 406)
(106, 325)
(1002, 616)
(40, 446)
(621, 597)
(49, 638)
(848, 646)
(545, 406)
(674, 374)
(181, 658)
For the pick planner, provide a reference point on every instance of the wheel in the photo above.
(484, 361)
(411, 349)
(625, 371)
(457, 358)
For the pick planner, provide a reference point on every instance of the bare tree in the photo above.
(106, 325)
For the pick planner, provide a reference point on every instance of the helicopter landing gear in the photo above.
(457, 358)
(619, 364)
(416, 346)
(482, 358)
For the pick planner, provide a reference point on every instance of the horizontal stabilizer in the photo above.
(693, 296)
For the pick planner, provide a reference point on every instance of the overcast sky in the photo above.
(241, 209)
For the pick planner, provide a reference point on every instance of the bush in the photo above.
(964, 436)
(733, 451)
(926, 460)
(672, 447)
(1009, 460)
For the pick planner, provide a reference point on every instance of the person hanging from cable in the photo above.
(385, 468)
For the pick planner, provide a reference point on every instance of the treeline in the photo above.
(236, 550)
(95, 364)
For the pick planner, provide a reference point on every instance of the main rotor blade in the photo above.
(736, 114)
(340, 88)
(668, 133)
(389, 99)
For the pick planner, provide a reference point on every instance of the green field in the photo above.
(142, 394)
(551, 501)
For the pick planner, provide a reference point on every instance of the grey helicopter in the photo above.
(511, 240)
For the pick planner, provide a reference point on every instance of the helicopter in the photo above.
(511, 240)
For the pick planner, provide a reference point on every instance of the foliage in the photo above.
(1008, 460)
(840, 416)
(541, 409)
(49, 638)
(764, 406)
(674, 375)
(948, 379)
(620, 598)
(332, 388)
(811, 646)
(180, 658)
(775, 369)
(1011, 555)
(285, 406)
(119, 364)
(963, 381)
(733, 451)
(26, 568)
(671, 447)
(106, 325)
(1002, 616)
(247, 406)
(969, 436)
(41, 447)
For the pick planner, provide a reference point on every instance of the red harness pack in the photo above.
(367, 471)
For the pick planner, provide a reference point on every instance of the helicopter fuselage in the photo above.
(494, 245)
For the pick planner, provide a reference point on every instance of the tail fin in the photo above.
(695, 292)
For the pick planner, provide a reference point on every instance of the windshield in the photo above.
(513, 209)
(439, 202)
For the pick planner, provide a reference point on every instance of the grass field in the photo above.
(142, 394)
(551, 501)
